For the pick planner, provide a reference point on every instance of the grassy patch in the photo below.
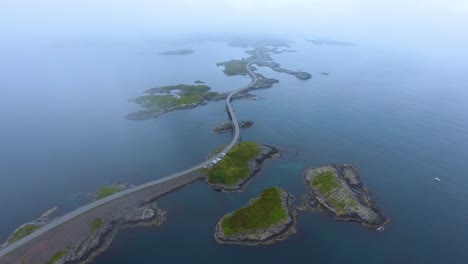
(184, 88)
(235, 67)
(266, 211)
(96, 225)
(106, 191)
(326, 182)
(210, 95)
(22, 232)
(234, 166)
(188, 94)
(57, 257)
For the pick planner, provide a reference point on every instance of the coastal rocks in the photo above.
(95, 243)
(165, 99)
(147, 114)
(277, 67)
(253, 166)
(223, 96)
(302, 75)
(30, 227)
(227, 126)
(337, 190)
(258, 223)
(263, 82)
(266, 152)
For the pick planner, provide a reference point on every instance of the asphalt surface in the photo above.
(58, 221)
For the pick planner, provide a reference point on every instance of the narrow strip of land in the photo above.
(179, 175)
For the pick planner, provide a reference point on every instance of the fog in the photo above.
(429, 25)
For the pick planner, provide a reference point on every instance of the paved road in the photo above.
(58, 221)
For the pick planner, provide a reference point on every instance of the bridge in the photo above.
(166, 184)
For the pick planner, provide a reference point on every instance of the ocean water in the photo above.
(401, 118)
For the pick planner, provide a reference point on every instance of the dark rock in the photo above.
(94, 244)
(227, 126)
(349, 201)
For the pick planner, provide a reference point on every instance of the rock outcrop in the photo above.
(94, 244)
(227, 126)
(254, 166)
(274, 233)
(337, 190)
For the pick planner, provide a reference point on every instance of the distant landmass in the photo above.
(177, 52)
(329, 42)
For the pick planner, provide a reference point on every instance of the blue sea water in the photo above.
(401, 118)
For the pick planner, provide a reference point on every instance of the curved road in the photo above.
(58, 221)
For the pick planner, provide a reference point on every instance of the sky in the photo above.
(429, 22)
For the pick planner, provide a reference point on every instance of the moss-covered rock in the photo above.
(267, 219)
(240, 164)
(337, 189)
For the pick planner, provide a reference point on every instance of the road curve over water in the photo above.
(58, 221)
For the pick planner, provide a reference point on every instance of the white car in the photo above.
(214, 161)
(223, 154)
(218, 159)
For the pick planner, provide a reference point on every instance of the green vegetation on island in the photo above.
(96, 225)
(167, 98)
(211, 96)
(326, 182)
(268, 218)
(106, 191)
(265, 211)
(22, 232)
(337, 189)
(58, 257)
(234, 167)
(234, 67)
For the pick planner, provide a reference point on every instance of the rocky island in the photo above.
(277, 67)
(177, 52)
(164, 99)
(101, 232)
(234, 67)
(239, 165)
(337, 190)
(267, 219)
(227, 126)
(260, 57)
(161, 100)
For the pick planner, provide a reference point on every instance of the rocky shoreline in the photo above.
(270, 235)
(259, 57)
(146, 114)
(35, 224)
(266, 152)
(277, 67)
(227, 126)
(348, 198)
(94, 244)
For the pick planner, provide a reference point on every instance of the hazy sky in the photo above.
(422, 21)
